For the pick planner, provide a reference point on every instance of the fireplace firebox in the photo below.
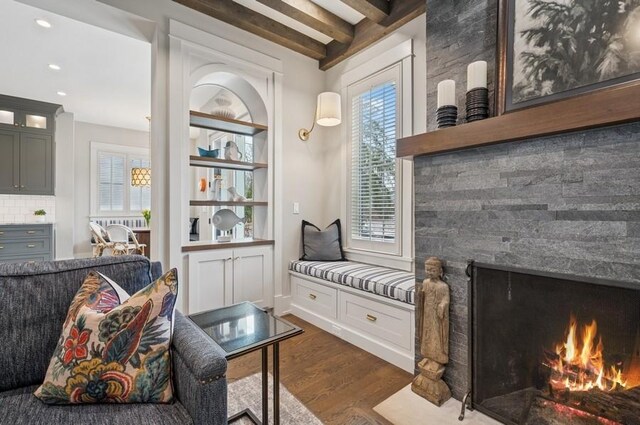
(549, 348)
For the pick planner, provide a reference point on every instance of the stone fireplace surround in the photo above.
(568, 203)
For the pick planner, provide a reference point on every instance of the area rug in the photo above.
(407, 408)
(247, 392)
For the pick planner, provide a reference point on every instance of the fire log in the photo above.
(619, 406)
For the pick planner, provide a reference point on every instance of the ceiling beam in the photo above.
(260, 25)
(368, 32)
(375, 10)
(314, 16)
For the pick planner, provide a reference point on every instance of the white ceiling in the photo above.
(334, 6)
(107, 76)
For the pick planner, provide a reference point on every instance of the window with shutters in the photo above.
(111, 179)
(374, 173)
(112, 193)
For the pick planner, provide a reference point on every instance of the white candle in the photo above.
(446, 93)
(477, 75)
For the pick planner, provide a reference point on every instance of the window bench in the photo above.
(368, 306)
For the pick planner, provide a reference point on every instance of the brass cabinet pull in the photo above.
(31, 246)
(312, 296)
(31, 232)
(371, 318)
(1, 233)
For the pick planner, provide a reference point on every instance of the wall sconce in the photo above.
(328, 113)
(141, 177)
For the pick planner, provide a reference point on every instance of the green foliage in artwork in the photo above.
(576, 43)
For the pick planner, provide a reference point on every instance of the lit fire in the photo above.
(579, 364)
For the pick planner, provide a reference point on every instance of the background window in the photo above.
(111, 178)
(112, 194)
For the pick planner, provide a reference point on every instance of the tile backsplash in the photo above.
(20, 208)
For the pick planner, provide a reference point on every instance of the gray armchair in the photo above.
(34, 299)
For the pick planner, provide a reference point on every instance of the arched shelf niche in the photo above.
(235, 82)
(241, 89)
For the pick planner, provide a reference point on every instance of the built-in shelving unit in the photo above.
(229, 125)
(615, 105)
(208, 203)
(225, 164)
(222, 125)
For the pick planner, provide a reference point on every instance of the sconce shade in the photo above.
(329, 112)
(141, 177)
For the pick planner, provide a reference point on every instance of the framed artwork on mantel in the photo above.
(550, 50)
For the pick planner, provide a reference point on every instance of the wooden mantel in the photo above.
(615, 105)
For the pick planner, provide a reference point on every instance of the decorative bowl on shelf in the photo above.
(210, 153)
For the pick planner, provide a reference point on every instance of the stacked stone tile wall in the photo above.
(568, 203)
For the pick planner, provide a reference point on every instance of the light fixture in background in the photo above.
(43, 23)
(61, 93)
(328, 113)
(54, 67)
(141, 177)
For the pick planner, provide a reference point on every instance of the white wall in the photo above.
(85, 133)
(65, 186)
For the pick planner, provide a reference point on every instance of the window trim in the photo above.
(401, 55)
(130, 152)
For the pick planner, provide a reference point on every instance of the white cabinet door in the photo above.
(253, 275)
(210, 280)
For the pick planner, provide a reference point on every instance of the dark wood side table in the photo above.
(241, 329)
(144, 237)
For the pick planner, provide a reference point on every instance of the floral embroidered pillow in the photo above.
(114, 348)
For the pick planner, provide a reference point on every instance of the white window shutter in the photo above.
(374, 124)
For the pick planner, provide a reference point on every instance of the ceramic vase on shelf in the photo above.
(231, 152)
(235, 196)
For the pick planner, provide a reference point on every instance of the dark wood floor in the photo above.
(338, 382)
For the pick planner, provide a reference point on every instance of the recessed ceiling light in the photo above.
(61, 93)
(54, 67)
(43, 23)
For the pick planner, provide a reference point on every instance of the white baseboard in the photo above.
(282, 305)
(385, 352)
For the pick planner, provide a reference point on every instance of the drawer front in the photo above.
(314, 297)
(379, 320)
(25, 258)
(8, 233)
(25, 247)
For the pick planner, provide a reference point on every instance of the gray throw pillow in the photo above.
(322, 245)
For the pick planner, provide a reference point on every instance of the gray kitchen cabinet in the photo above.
(36, 164)
(26, 243)
(27, 146)
(9, 161)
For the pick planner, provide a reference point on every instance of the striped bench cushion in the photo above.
(395, 284)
